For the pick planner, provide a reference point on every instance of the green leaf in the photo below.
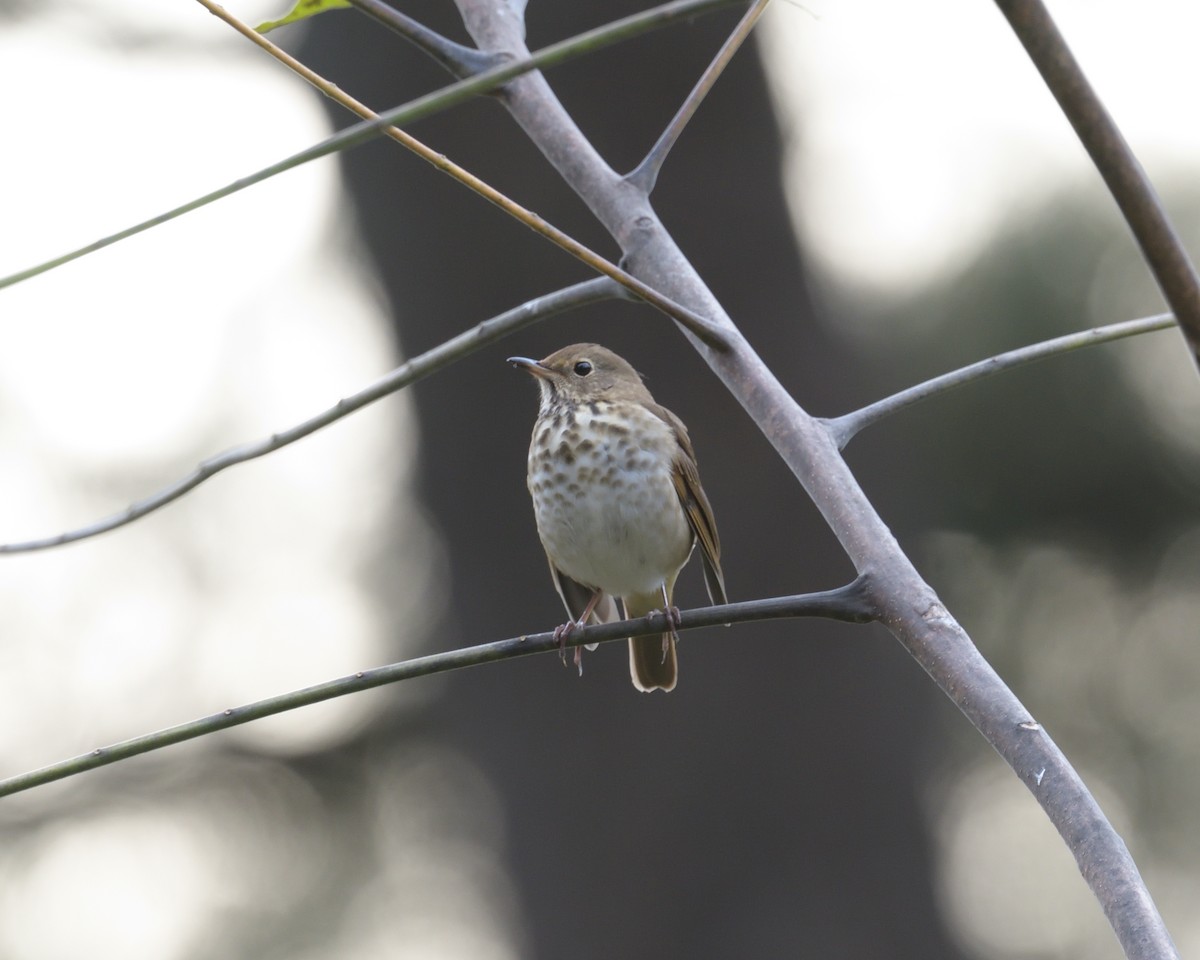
(301, 10)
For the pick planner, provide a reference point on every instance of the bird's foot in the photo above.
(674, 619)
(561, 634)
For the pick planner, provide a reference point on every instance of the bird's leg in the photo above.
(674, 617)
(563, 631)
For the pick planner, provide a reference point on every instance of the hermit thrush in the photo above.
(617, 498)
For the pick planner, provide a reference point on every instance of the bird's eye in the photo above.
(582, 368)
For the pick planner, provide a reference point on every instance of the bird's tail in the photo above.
(653, 664)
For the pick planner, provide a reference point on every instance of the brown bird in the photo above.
(618, 500)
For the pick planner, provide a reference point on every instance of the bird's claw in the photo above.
(561, 632)
(674, 621)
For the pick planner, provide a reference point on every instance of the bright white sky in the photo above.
(922, 126)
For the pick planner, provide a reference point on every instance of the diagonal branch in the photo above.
(844, 428)
(910, 608)
(1126, 180)
(540, 308)
(645, 175)
(689, 318)
(407, 113)
(848, 603)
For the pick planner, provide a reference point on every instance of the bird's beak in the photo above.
(530, 366)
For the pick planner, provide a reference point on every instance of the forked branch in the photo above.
(910, 608)
(645, 175)
(459, 60)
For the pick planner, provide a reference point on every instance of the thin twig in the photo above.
(462, 61)
(414, 110)
(491, 330)
(1164, 252)
(645, 175)
(700, 326)
(843, 428)
(846, 603)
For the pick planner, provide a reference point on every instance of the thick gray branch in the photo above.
(912, 610)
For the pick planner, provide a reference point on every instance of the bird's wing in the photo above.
(686, 478)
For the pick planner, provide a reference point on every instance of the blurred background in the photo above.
(877, 194)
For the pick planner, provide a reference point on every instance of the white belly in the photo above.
(606, 507)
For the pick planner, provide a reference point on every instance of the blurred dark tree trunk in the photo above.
(769, 806)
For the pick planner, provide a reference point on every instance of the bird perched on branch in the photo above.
(618, 500)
